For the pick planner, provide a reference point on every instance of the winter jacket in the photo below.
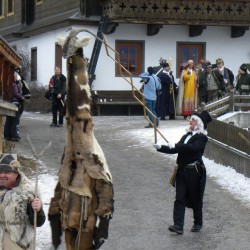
(243, 84)
(190, 152)
(17, 215)
(59, 84)
(151, 86)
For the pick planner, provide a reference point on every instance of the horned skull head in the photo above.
(72, 43)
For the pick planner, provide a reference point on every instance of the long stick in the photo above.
(36, 155)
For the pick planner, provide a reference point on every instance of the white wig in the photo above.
(200, 125)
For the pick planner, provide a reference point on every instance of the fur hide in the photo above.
(85, 188)
(13, 214)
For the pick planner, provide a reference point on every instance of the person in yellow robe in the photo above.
(187, 96)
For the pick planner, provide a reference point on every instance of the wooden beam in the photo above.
(238, 31)
(196, 30)
(153, 29)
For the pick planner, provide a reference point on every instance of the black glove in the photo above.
(101, 232)
(56, 229)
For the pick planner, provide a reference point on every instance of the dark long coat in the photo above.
(189, 153)
(165, 103)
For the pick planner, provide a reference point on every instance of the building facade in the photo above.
(141, 31)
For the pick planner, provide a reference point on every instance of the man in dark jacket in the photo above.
(58, 85)
(227, 74)
(243, 81)
(211, 85)
(165, 104)
(191, 173)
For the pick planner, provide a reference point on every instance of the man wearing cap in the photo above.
(165, 104)
(227, 74)
(211, 84)
(151, 85)
(191, 174)
(243, 81)
(17, 206)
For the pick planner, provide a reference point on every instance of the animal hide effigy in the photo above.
(83, 200)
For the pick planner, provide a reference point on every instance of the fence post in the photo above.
(231, 101)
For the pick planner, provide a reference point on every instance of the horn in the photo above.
(69, 47)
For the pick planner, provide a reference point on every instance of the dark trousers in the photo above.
(187, 185)
(57, 106)
(11, 126)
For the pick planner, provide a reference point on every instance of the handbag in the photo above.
(48, 94)
(172, 178)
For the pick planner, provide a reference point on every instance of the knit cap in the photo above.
(8, 163)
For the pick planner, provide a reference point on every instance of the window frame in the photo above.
(200, 46)
(10, 12)
(140, 59)
(33, 64)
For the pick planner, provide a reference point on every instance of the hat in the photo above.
(8, 163)
(165, 64)
(205, 117)
(209, 65)
(219, 60)
(150, 70)
(243, 67)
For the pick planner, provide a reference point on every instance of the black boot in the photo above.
(196, 228)
(176, 229)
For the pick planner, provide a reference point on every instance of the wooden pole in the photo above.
(36, 155)
(1, 134)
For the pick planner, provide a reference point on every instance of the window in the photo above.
(58, 56)
(131, 56)
(10, 7)
(27, 12)
(1, 8)
(33, 64)
(189, 51)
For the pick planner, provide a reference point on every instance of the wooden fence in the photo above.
(229, 144)
(230, 135)
(228, 104)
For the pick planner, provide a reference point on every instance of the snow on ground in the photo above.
(46, 186)
(225, 176)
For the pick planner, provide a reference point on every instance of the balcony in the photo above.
(224, 13)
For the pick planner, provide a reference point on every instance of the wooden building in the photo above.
(141, 31)
(8, 60)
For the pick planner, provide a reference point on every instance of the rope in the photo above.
(127, 76)
(78, 238)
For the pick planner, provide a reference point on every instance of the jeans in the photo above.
(150, 104)
(11, 126)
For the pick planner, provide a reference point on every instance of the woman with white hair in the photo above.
(191, 174)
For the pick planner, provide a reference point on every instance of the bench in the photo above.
(114, 98)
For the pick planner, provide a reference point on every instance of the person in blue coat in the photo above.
(151, 85)
(191, 174)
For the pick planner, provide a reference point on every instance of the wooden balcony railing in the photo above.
(229, 13)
